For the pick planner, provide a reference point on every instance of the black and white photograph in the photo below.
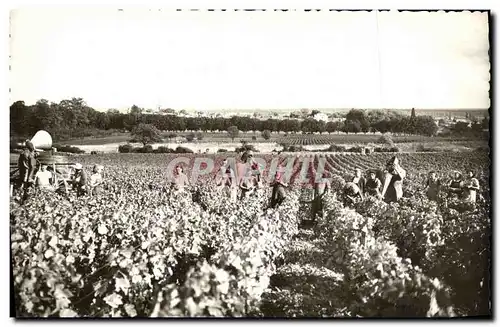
(250, 163)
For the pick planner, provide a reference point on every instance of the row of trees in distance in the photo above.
(74, 118)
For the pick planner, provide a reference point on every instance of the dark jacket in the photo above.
(26, 164)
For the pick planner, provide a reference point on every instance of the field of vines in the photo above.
(324, 139)
(139, 250)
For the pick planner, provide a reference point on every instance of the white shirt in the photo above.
(95, 179)
(43, 177)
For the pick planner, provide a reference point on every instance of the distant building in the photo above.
(321, 117)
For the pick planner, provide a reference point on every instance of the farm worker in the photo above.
(352, 194)
(393, 184)
(252, 165)
(471, 187)
(244, 166)
(219, 177)
(278, 184)
(79, 180)
(373, 185)
(455, 187)
(246, 156)
(359, 180)
(27, 164)
(321, 188)
(180, 179)
(43, 178)
(256, 171)
(433, 186)
(230, 184)
(247, 184)
(96, 180)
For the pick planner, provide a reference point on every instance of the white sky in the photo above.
(215, 60)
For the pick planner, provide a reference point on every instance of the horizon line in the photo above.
(264, 109)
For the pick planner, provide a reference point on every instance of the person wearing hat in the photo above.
(248, 164)
(471, 187)
(27, 165)
(321, 188)
(278, 185)
(373, 185)
(455, 187)
(79, 180)
(393, 184)
(433, 186)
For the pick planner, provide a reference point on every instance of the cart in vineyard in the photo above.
(57, 164)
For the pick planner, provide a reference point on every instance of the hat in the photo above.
(78, 166)
(30, 145)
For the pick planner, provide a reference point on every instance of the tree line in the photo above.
(74, 118)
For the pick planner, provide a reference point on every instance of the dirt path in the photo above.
(303, 286)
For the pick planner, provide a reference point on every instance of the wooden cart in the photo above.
(57, 164)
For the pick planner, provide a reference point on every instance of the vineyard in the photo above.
(324, 139)
(138, 250)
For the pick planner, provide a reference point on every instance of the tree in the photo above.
(320, 126)
(461, 128)
(145, 134)
(356, 114)
(20, 118)
(308, 125)
(383, 126)
(233, 132)
(331, 126)
(412, 113)
(190, 137)
(135, 110)
(314, 112)
(425, 125)
(352, 126)
(356, 121)
(266, 134)
(486, 123)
